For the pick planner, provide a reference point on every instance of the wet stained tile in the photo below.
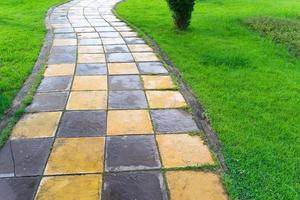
(82, 123)
(91, 58)
(144, 57)
(127, 99)
(18, 188)
(55, 84)
(48, 102)
(123, 122)
(6, 161)
(36, 125)
(134, 185)
(87, 100)
(60, 70)
(152, 68)
(165, 99)
(91, 69)
(180, 150)
(30, 155)
(90, 49)
(117, 48)
(62, 55)
(109, 34)
(119, 57)
(134, 40)
(86, 41)
(87, 187)
(128, 34)
(139, 48)
(122, 68)
(89, 83)
(173, 121)
(190, 185)
(129, 82)
(76, 155)
(131, 153)
(88, 35)
(113, 40)
(158, 82)
(64, 42)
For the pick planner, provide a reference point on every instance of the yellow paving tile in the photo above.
(158, 82)
(145, 57)
(64, 42)
(123, 122)
(87, 187)
(139, 48)
(87, 100)
(76, 155)
(60, 70)
(90, 83)
(194, 185)
(165, 99)
(37, 125)
(91, 58)
(179, 150)
(90, 49)
(122, 68)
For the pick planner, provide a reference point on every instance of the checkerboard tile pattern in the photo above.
(106, 118)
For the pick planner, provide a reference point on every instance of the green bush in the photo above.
(181, 12)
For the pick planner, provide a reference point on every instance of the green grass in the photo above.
(22, 32)
(248, 84)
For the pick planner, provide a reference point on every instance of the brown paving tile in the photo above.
(165, 99)
(123, 122)
(90, 83)
(179, 150)
(139, 48)
(64, 42)
(87, 100)
(87, 187)
(144, 57)
(60, 70)
(194, 185)
(122, 68)
(158, 82)
(91, 58)
(76, 155)
(36, 125)
(90, 49)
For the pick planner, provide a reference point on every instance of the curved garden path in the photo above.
(106, 118)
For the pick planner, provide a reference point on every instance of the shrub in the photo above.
(181, 12)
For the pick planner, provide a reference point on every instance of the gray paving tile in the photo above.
(119, 57)
(116, 48)
(125, 82)
(127, 99)
(104, 29)
(6, 161)
(65, 36)
(63, 30)
(82, 124)
(109, 34)
(134, 40)
(55, 84)
(30, 155)
(173, 121)
(90, 41)
(131, 153)
(62, 54)
(91, 69)
(115, 40)
(152, 68)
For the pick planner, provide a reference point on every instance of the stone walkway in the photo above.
(105, 119)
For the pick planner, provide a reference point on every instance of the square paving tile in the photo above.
(124, 122)
(131, 153)
(89, 83)
(87, 100)
(134, 40)
(122, 68)
(127, 99)
(125, 82)
(48, 102)
(180, 150)
(116, 48)
(134, 185)
(165, 99)
(91, 58)
(90, 49)
(158, 82)
(82, 123)
(87, 187)
(88, 35)
(91, 69)
(86, 41)
(140, 48)
(144, 57)
(55, 84)
(30, 155)
(128, 34)
(76, 155)
(113, 40)
(109, 34)
(190, 185)
(36, 125)
(64, 42)
(152, 68)
(6, 161)
(173, 121)
(18, 188)
(119, 57)
(62, 55)
(60, 70)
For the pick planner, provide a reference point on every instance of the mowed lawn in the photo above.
(249, 86)
(22, 32)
